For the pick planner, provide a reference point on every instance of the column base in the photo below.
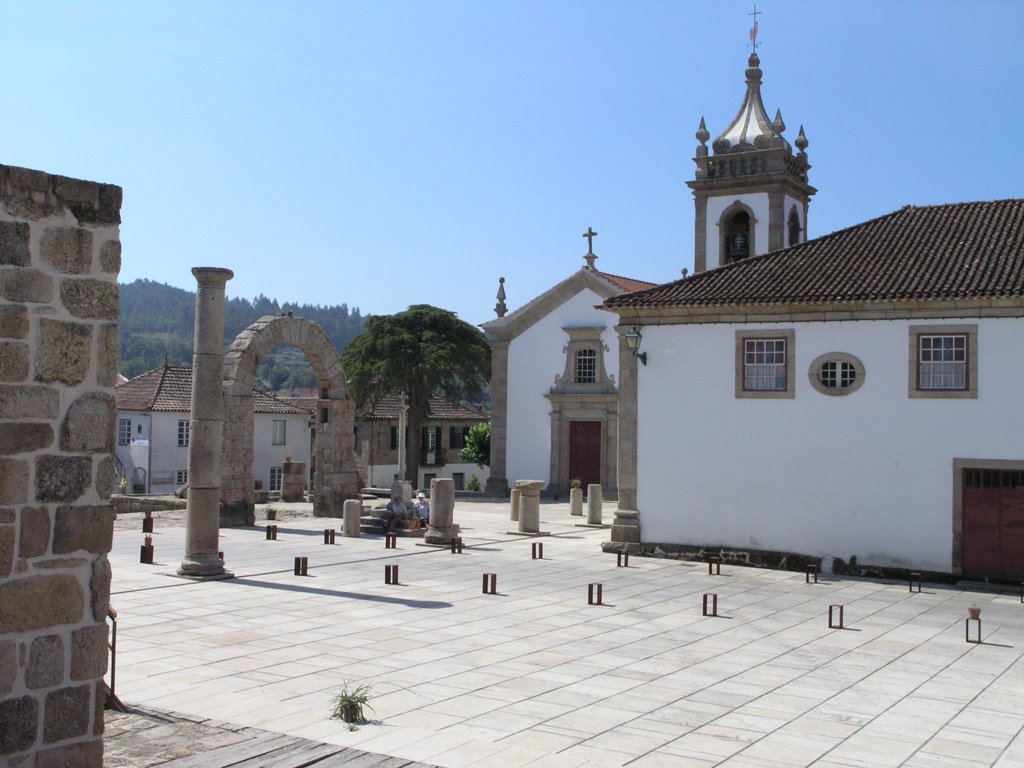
(201, 567)
(497, 487)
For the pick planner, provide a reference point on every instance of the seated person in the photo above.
(394, 513)
(422, 508)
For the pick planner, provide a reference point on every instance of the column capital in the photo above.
(212, 276)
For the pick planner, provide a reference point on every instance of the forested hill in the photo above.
(157, 323)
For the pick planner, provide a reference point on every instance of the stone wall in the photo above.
(59, 259)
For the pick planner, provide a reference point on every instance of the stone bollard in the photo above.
(575, 501)
(442, 511)
(353, 518)
(595, 505)
(529, 507)
(516, 495)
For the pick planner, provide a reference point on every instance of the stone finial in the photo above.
(500, 309)
(702, 133)
(801, 141)
(777, 123)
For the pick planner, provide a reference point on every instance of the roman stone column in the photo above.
(575, 501)
(529, 507)
(206, 428)
(497, 484)
(595, 505)
(442, 512)
(353, 517)
(516, 498)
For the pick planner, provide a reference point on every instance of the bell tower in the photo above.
(751, 194)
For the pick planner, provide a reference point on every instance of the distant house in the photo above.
(153, 412)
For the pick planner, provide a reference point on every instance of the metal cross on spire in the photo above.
(753, 29)
(590, 234)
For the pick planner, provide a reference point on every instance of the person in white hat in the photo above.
(422, 507)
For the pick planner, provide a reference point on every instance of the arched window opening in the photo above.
(794, 227)
(737, 243)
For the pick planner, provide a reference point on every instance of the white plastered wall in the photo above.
(267, 455)
(535, 357)
(867, 474)
(757, 202)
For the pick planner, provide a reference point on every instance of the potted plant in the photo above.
(974, 611)
(348, 704)
(123, 485)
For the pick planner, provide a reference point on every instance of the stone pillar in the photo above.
(202, 528)
(353, 518)
(293, 481)
(442, 512)
(529, 507)
(575, 501)
(497, 484)
(60, 255)
(516, 496)
(595, 505)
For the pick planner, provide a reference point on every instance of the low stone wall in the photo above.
(124, 504)
(59, 259)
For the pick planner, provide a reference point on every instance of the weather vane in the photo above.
(753, 29)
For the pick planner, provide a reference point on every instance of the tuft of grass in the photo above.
(348, 704)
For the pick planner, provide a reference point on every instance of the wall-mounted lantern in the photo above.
(633, 339)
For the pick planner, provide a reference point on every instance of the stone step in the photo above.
(375, 526)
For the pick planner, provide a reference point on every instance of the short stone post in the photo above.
(529, 507)
(575, 501)
(206, 428)
(516, 496)
(595, 505)
(353, 518)
(442, 511)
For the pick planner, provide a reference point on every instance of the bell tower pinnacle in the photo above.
(751, 194)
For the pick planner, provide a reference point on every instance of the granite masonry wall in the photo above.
(59, 260)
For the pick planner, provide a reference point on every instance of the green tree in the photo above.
(422, 351)
(478, 445)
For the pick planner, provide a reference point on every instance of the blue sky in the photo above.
(386, 153)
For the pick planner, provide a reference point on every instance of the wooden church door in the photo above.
(585, 451)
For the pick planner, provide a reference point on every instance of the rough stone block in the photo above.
(89, 652)
(14, 243)
(19, 721)
(29, 402)
(62, 478)
(106, 355)
(83, 754)
(67, 249)
(87, 527)
(6, 550)
(91, 299)
(38, 602)
(74, 190)
(35, 532)
(64, 352)
(89, 425)
(13, 361)
(21, 437)
(106, 477)
(26, 285)
(8, 666)
(110, 256)
(99, 704)
(13, 322)
(7, 516)
(45, 667)
(13, 481)
(66, 713)
(99, 588)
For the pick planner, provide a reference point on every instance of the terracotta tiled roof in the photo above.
(439, 408)
(955, 251)
(170, 389)
(625, 283)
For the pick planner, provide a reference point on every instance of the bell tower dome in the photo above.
(751, 194)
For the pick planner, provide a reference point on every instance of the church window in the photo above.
(794, 226)
(764, 364)
(944, 361)
(586, 366)
(836, 373)
(183, 433)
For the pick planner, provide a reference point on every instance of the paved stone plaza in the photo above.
(535, 676)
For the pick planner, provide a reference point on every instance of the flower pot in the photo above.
(974, 612)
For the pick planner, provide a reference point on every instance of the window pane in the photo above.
(942, 362)
(586, 366)
(279, 432)
(765, 364)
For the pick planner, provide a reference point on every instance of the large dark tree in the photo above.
(422, 351)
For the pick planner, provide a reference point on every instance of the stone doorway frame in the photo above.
(334, 475)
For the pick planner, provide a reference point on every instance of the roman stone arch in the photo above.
(334, 477)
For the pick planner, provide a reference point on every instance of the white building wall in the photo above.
(535, 357)
(166, 457)
(866, 474)
(136, 453)
(757, 202)
(266, 454)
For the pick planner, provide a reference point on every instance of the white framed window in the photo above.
(943, 361)
(836, 373)
(764, 364)
(275, 478)
(181, 477)
(586, 365)
(124, 431)
(183, 433)
(278, 437)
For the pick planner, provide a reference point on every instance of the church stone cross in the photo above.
(753, 30)
(590, 234)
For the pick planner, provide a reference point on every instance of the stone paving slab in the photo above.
(533, 675)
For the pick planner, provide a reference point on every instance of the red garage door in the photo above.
(993, 523)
